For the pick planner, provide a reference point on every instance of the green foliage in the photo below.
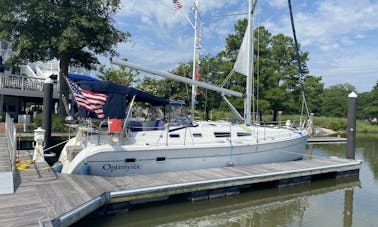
(74, 32)
(335, 100)
(121, 76)
(57, 123)
(336, 123)
(38, 120)
(368, 104)
(217, 115)
(275, 70)
(365, 126)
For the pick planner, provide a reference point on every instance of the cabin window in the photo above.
(243, 134)
(174, 135)
(130, 160)
(221, 134)
(197, 134)
(160, 159)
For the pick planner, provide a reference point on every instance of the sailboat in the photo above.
(121, 144)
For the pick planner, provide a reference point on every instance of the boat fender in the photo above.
(57, 167)
(85, 169)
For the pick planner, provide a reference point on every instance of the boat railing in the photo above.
(289, 125)
(259, 132)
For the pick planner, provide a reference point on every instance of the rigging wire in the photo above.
(300, 70)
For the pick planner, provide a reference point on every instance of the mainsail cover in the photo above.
(241, 62)
(118, 95)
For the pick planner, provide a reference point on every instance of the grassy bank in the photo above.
(334, 123)
(339, 124)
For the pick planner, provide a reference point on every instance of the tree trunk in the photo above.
(275, 115)
(207, 111)
(63, 65)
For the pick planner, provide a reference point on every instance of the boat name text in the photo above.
(118, 167)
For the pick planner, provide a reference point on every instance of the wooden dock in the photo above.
(327, 139)
(45, 198)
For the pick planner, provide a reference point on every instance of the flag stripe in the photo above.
(176, 4)
(91, 101)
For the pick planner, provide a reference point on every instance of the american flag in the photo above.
(91, 101)
(176, 4)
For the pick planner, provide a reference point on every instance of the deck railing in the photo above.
(22, 82)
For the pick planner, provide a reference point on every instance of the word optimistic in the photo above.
(118, 167)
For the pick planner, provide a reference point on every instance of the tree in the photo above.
(370, 111)
(121, 76)
(277, 83)
(335, 100)
(73, 32)
(313, 90)
(275, 69)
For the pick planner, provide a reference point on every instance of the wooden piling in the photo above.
(47, 109)
(351, 129)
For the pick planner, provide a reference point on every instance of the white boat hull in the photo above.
(134, 159)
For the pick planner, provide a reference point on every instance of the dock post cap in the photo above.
(352, 95)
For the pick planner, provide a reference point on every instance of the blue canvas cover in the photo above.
(118, 96)
(81, 77)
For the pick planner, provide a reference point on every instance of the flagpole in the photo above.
(194, 87)
(69, 86)
(73, 96)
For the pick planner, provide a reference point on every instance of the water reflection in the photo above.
(272, 207)
(348, 207)
(368, 146)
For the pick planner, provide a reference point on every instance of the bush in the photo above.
(58, 124)
(338, 124)
(56, 121)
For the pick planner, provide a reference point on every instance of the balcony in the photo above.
(17, 85)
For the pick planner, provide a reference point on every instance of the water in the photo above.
(349, 201)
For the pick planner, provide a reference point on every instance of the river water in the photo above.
(347, 201)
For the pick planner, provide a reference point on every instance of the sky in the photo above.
(341, 36)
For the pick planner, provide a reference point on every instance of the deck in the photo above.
(45, 198)
(326, 139)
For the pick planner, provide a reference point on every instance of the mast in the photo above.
(194, 87)
(249, 86)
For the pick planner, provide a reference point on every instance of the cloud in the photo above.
(326, 22)
(339, 34)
